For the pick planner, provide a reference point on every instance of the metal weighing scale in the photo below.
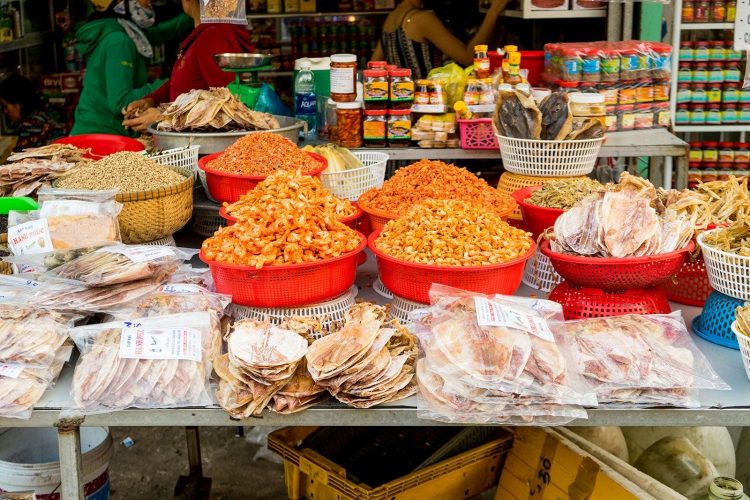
(238, 64)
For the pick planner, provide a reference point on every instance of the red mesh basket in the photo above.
(690, 285)
(477, 134)
(226, 187)
(581, 303)
(536, 218)
(617, 274)
(287, 286)
(412, 281)
(376, 219)
(102, 145)
(352, 221)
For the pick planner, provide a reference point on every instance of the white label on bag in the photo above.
(143, 253)
(11, 370)
(160, 343)
(177, 289)
(490, 313)
(56, 208)
(30, 238)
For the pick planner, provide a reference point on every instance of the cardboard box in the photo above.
(66, 83)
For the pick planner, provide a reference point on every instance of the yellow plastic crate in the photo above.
(310, 475)
(510, 183)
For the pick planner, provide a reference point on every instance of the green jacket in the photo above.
(116, 73)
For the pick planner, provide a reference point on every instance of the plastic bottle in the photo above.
(304, 97)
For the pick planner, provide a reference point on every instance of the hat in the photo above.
(101, 5)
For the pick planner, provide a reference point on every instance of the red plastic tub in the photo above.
(350, 221)
(226, 187)
(102, 145)
(413, 281)
(533, 60)
(537, 219)
(616, 274)
(287, 286)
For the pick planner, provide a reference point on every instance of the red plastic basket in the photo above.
(287, 286)
(690, 285)
(536, 218)
(376, 219)
(616, 274)
(477, 134)
(226, 187)
(102, 145)
(351, 221)
(581, 303)
(412, 281)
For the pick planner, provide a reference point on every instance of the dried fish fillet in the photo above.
(517, 116)
(557, 118)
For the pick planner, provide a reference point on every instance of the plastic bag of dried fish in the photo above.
(223, 11)
(492, 359)
(30, 335)
(158, 362)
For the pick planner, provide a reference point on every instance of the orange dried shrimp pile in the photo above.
(281, 232)
(292, 186)
(427, 179)
(452, 233)
(263, 154)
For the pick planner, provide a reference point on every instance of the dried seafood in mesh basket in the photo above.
(212, 110)
(563, 193)
(733, 239)
(716, 203)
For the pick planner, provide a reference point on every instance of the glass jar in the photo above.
(590, 65)
(626, 117)
(399, 128)
(713, 114)
(732, 73)
(685, 72)
(733, 55)
(701, 9)
(402, 89)
(684, 94)
(627, 93)
(709, 172)
(629, 64)
(682, 115)
(731, 10)
(717, 50)
(343, 77)
(730, 93)
(716, 72)
(698, 94)
(329, 126)
(610, 65)
(377, 65)
(688, 11)
(701, 52)
(743, 114)
(424, 90)
(725, 170)
(698, 114)
(571, 65)
(349, 124)
(568, 86)
(661, 90)
(726, 151)
(710, 151)
(644, 92)
(696, 151)
(742, 152)
(744, 96)
(713, 93)
(473, 92)
(718, 11)
(644, 117)
(725, 488)
(686, 52)
(375, 88)
(373, 128)
(700, 72)
(729, 114)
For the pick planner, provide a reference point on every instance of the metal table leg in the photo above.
(71, 464)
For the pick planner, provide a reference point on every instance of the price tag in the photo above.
(177, 289)
(11, 370)
(490, 313)
(142, 253)
(30, 238)
(742, 26)
(160, 343)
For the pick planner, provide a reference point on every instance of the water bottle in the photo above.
(304, 97)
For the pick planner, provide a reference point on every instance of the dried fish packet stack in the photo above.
(634, 361)
(370, 361)
(492, 360)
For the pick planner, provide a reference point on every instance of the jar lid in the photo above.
(424, 82)
(699, 86)
(697, 106)
(343, 58)
(726, 144)
(686, 64)
(717, 43)
(695, 144)
(586, 98)
(399, 112)
(390, 67)
(683, 85)
(683, 106)
(375, 112)
(480, 48)
(725, 164)
(568, 85)
(376, 64)
(375, 73)
(742, 145)
(510, 48)
(711, 144)
(702, 44)
(401, 72)
(714, 106)
(643, 107)
(348, 105)
(686, 43)
(701, 65)
(709, 164)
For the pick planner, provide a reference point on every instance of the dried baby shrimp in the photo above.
(263, 154)
(281, 232)
(563, 193)
(427, 179)
(452, 233)
(292, 186)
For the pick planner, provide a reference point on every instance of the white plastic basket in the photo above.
(744, 342)
(202, 177)
(549, 158)
(401, 307)
(328, 312)
(180, 157)
(540, 274)
(728, 273)
(381, 290)
(206, 222)
(165, 242)
(351, 184)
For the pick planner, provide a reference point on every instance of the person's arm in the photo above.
(160, 95)
(176, 28)
(119, 69)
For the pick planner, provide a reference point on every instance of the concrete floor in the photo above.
(150, 468)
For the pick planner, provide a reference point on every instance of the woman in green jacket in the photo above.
(115, 43)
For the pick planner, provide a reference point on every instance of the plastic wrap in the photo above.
(31, 336)
(159, 362)
(638, 359)
(493, 360)
(223, 11)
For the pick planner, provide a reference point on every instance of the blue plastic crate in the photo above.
(715, 322)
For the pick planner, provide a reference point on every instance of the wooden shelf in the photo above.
(706, 26)
(28, 40)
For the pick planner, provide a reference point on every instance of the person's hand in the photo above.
(137, 107)
(143, 120)
(498, 6)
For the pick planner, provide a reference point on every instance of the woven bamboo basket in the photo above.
(152, 215)
(510, 182)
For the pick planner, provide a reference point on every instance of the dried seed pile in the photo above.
(125, 171)
(452, 233)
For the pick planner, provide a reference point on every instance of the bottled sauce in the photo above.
(701, 11)
(713, 94)
(696, 153)
(374, 128)
(591, 65)
(349, 124)
(424, 90)
(725, 488)
(700, 72)
(732, 72)
(731, 10)
(684, 94)
(726, 152)
(742, 152)
(375, 86)
(473, 92)
(729, 114)
(686, 53)
(481, 62)
(343, 77)
(713, 114)
(717, 50)
(514, 69)
(462, 110)
(402, 89)
(305, 101)
(688, 11)
(399, 128)
(610, 64)
(711, 151)
(731, 93)
(718, 11)
(701, 52)
(682, 115)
